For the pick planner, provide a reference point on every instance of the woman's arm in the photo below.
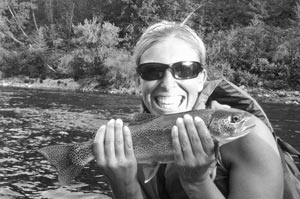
(255, 165)
(114, 154)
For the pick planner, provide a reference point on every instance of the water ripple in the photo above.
(31, 119)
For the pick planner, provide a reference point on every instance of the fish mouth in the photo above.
(243, 127)
(247, 127)
(169, 102)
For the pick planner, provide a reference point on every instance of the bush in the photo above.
(245, 78)
(122, 69)
(96, 54)
(259, 52)
(28, 60)
(294, 74)
(26, 63)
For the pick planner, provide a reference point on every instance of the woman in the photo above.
(170, 59)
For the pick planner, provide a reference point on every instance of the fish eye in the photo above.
(235, 119)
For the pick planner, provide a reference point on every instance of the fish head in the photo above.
(229, 124)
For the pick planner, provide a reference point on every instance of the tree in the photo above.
(15, 18)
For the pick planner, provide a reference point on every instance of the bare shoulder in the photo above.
(254, 164)
(258, 143)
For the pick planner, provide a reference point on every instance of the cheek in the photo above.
(196, 84)
(147, 89)
(193, 88)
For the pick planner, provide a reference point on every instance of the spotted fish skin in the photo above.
(151, 137)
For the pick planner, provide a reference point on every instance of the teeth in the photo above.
(168, 102)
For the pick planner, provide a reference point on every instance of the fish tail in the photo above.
(58, 156)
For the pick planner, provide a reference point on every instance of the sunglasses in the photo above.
(180, 70)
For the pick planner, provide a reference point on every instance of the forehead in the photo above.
(170, 50)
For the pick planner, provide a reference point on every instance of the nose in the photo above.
(168, 81)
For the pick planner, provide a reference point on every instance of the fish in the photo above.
(152, 141)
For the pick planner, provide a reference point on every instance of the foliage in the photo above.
(27, 63)
(252, 43)
(256, 53)
(15, 17)
(96, 54)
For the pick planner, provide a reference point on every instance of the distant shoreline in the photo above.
(275, 96)
(260, 94)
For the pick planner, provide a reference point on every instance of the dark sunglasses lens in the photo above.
(180, 70)
(152, 71)
(186, 70)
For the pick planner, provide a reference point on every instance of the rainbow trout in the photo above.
(152, 142)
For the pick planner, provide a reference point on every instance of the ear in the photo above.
(202, 77)
(137, 80)
(204, 72)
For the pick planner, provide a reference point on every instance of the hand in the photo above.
(114, 154)
(193, 148)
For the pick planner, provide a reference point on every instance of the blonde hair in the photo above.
(166, 29)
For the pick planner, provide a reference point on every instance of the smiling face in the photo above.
(169, 95)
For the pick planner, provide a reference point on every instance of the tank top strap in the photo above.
(208, 88)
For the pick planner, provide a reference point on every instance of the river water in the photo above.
(31, 119)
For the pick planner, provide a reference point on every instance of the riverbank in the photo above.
(275, 96)
(261, 94)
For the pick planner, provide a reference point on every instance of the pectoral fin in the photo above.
(150, 171)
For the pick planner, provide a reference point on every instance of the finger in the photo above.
(216, 105)
(193, 135)
(98, 145)
(184, 140)
(176, 145)
(119, 141)
(110, 140)
(128, 147)
(206, 139)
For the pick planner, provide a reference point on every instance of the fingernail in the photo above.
(187, 116)
(126, 128)
(119, 121)
(174, 128)
(197, 119)
(174, 132)
(179, 120)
